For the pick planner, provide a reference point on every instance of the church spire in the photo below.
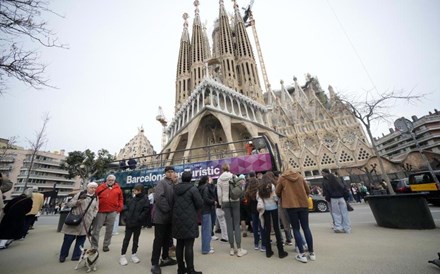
(198, 50)
(183, 74)
(247, 73)
(225, 49)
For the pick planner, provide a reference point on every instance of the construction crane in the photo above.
(163, 121)
(249, 17)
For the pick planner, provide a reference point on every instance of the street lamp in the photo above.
(405, 126)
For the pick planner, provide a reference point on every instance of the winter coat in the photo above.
(223, 188)
(137, 211)
(82, 228)
(110, 198)
(293, 190)
(163, 201)
(332, 187)
(37, 203)
(11, 226)
(187, 202)
(208, 199)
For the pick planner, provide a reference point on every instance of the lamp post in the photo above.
(406, 126)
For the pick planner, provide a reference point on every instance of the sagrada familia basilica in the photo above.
(219, 99)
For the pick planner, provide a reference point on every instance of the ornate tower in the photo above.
(225, 49)
(199, 50)
(247, 73)
(183, 75)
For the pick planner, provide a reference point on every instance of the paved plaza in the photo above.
(368, 249)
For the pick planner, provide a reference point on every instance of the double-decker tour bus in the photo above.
(255, 154)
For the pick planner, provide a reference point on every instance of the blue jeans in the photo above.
(257, 230)
(206, 233)
(340, 215)
(300, 217)
(67, 242)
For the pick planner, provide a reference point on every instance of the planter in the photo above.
(408, 211)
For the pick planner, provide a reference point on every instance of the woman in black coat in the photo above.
(185, 227)
(11, 226)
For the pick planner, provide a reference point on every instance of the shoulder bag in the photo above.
(76, 219)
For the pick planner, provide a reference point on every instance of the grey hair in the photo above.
(28, 192)
(111, 176)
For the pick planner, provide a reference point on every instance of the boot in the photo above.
(192, 271)
(181, 271)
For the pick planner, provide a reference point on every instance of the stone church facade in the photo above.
(219, 99)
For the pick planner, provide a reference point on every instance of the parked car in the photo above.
(401, 185)
(317, 203)
(423, 181)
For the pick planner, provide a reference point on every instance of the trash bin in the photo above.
(63, 215)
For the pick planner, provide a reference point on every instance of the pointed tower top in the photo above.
(185, 17)
(196, 4)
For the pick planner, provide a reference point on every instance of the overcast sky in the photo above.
(121, 62)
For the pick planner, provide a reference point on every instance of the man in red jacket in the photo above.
(110, 203)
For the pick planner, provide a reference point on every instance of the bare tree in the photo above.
(373, 109)
(20, 21)
(9, 145)
(40, 140)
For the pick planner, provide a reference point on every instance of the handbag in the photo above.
(76, 219)
(73, 219)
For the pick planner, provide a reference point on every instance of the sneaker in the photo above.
(232, 251)
(283, 254)
(301, 257)
(312, 256)
(123, 261)
(134, 258)
(211, 251)
(263, 249)
(241, 252)
(256, 247)
(223, 240)
(105, 249)
(214, 238)
(167, 261)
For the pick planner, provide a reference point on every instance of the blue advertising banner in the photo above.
(238, 165)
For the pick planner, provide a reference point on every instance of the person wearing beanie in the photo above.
(163, 204)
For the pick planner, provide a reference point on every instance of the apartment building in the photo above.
(45, 175)
(426, 131)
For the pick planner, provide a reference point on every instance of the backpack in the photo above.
(364, 189)
(235, 190)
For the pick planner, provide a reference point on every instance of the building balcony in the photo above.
(7, 159)
(44, 177)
